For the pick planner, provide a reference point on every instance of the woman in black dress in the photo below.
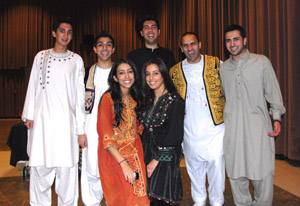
(162, 118)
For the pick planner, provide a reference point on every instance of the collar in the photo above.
(242, 60)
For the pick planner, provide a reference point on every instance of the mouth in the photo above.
(152, 83)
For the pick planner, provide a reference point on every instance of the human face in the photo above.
(125, 77)
(63, 34)
(154, 78)
(150, 32)
(190, 46)
(104, 48)
(235, 44)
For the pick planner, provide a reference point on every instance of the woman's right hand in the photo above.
(128, 173)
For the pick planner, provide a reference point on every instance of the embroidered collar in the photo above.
(59, 55)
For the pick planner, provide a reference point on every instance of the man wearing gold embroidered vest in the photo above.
(198, 82)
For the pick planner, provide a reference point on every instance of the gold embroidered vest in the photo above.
(212, 82)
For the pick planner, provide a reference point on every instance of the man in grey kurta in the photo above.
(249, 82)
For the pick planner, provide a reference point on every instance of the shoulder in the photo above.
(175, 67)
(135, 52)
(175, 97)
(76, 56)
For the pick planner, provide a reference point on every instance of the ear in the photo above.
(158, 32)
(113, 50)
(95, 50)
(54, 34)
(199, 44)
(181, 48)
(141, 32)
(245, 41)
(115, 78)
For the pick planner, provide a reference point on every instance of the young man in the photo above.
(54, 107)
(150, 31)
(96, 85)
(198, 82)
(249, 83)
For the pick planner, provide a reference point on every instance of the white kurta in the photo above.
(55, 102)
(91, 152)
(203, 141)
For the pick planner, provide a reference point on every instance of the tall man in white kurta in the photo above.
(54, 106)
(96, 85)
(249, 82)
(203, 123)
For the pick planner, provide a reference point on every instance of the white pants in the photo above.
(215, 171)
(66, 185)
(263, 191)
(91, 189)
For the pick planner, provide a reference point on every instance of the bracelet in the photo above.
(122, 161)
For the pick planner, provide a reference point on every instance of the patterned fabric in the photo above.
(90, 90)
(127, 140)
(213, 86)
(162, 140)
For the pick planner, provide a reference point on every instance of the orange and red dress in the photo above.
(125, 138)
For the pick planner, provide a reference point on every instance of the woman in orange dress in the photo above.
(120, 151)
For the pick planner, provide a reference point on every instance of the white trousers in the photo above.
(91, 189)
(263, 191)
(66, 185)
(215, 171)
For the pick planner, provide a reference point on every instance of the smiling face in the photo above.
(235, 44)
(190, 46)
(63, 34)
(125, 77)
(104, 48)
(150, 32)
(154, 78)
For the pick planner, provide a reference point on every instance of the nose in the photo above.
(189, 47)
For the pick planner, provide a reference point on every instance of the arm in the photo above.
(29, 104)
(105, 122)
(126, 169)
(80, 101)
(273, 96)
(174, 130)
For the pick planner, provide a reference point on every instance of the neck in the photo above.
(159, 92)
(237, 57)
(151, 46)
(104, 64)
(60, 49)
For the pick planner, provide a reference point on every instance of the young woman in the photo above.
(120, 152)
(162, 116)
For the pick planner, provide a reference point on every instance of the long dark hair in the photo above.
(147, 91)
(116, 93)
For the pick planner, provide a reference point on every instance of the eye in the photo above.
(70, 32)
(62, 30)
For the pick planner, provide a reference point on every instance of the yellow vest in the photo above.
(212, 82)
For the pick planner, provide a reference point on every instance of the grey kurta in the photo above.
(248, 85)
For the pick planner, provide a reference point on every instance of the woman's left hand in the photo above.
(151, 167)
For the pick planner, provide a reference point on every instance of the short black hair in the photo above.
(104, 34)
(149, 18)
(235, 27)
(189, 33)
(66, 20)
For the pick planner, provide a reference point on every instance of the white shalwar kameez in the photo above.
(55, 102)
(91, 190)
(203, 141)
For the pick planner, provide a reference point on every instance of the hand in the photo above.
(151, 167)
(29, 123)
(82, 140)
(277, 129)
(128, 173)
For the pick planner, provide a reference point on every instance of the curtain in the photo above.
(272, 28)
